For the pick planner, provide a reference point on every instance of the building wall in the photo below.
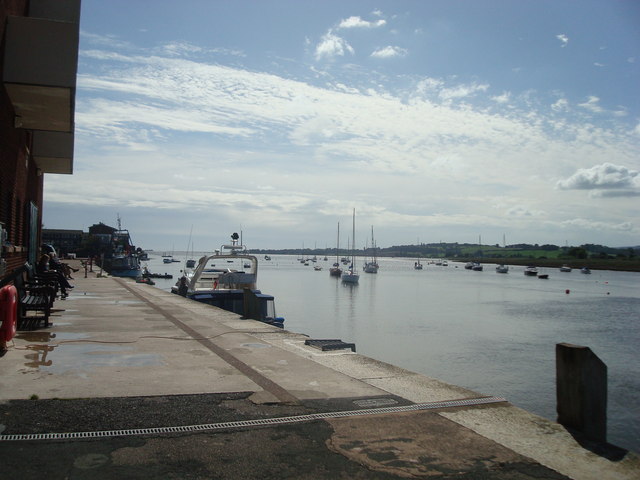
(64, 241)
(20, 182)
(36, 135)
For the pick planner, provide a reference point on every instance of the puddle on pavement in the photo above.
(48, 337)
(78, 359)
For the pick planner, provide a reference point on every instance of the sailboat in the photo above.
(372, 265)
(350, 275)
(417, 265)
(336, 271)
(190, 262)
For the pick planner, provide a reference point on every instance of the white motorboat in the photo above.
(502, 269)
(228, 279)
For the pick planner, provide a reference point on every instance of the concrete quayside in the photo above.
(134, 382)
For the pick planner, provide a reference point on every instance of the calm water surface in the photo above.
(491, 333)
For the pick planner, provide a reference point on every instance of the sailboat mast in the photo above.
(373, 246)
(353, 239)
(338, 245)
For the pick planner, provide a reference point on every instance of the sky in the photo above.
(436, 120)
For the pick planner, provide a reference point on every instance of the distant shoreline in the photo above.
(624, 265)
(616, 264)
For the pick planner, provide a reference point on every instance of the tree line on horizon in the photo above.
(470, 250)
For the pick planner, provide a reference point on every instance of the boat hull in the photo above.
(250, 304)
(350, 278)
(123, 266)
(132, 273)
(370, 268)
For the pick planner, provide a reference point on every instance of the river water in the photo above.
(491, 333)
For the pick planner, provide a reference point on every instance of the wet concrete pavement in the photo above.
(188, 391)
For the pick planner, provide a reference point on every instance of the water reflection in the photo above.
(39, 359)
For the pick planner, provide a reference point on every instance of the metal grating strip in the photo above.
(250, 423)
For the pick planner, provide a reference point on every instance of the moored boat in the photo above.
(565, 268)
(531, 271)
(350, 275)
(502, 269)
(585, 270)
(230, 287)
(123, 260)
(335, 270)
(372, 265)
(123, 265)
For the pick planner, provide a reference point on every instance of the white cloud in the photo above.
(561, 105)
(592, 105)
(588, 224)
(564, 39)
(177, 49)
(331, 46)
(389, 52)
(519, 211)
(462, 91)
(608, 179)
(210, 135)
(504, 98)
(357, 22)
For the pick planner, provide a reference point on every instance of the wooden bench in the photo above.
(33, 296)
(49, 279)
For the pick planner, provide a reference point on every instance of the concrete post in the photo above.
(581, 389)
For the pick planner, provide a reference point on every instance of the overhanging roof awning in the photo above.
(53, 151)
(39, 72)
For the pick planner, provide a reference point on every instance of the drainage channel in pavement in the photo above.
(251, 423)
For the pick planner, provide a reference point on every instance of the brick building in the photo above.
(38, 66)
(64, 241)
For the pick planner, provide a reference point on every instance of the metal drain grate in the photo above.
(250, 423)
(330, 344)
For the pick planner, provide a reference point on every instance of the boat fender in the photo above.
(8, 312)
(215, 284)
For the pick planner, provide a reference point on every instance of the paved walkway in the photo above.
(134, 382)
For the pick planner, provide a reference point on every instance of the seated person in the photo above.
(55, 265)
